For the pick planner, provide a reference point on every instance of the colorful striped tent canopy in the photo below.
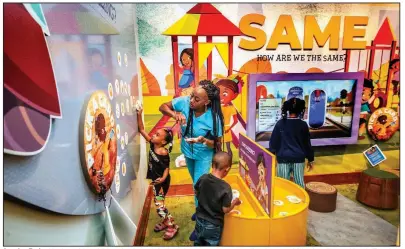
(203, 20)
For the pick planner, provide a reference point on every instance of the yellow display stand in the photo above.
(250, 225)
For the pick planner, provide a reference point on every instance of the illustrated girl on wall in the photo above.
(186, 68)
(367, 99)
(229, 90)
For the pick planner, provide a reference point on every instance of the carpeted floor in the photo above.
(181, 209)
(350, 190)
(351, 224)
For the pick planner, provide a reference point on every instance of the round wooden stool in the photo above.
(322, 197)
(378, 189)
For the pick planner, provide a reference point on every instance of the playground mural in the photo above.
(181, 44)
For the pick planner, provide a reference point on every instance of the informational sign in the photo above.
(269, 113)
(257, 168)
(374, 155)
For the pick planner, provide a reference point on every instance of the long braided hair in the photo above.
(215, 105)
(293, 105)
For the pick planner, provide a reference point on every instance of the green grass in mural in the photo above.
(151, 121)
(350, 190)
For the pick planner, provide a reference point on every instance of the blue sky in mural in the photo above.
(331, 87)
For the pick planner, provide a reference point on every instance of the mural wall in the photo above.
(70, 125)
(181, 44)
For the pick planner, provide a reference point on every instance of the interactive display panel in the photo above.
(332, 105)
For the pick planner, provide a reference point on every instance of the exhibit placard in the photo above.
(374, 155)
(257, 169)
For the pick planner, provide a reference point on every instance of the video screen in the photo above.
(329, 106)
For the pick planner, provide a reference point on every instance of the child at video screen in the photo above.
(158, 172)
(290, 142)
(214, 201)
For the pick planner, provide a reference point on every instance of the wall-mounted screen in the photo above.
(332, 105)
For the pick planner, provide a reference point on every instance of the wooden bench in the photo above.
(378, 189)
(322, 197)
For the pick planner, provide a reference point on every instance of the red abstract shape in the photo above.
(216, 25)
(385, 35)
(28, 70)
(203, 8)
(261, 92)
(317, 95)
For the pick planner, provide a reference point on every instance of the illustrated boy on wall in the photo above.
(367, 99)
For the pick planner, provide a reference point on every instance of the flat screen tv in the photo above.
(332, 105)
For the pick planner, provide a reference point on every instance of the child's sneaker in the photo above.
(171, 231)
(160, 226)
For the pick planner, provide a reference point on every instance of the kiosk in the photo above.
(279, 221)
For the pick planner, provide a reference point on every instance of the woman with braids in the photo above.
(290, 142)
(202, 123)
